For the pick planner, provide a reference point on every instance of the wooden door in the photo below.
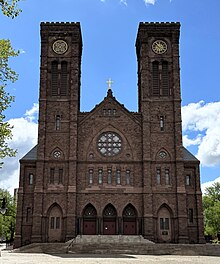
(89, 227)
(109, 227)
(129, 227)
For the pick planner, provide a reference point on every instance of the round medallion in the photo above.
(60, 46)
(57, 154)
(159, 47)
(109, 144)
(162, 154)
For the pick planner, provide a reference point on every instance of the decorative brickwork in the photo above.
(109, 171)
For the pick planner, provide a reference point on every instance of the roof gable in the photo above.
(108, 106)
(31, 155)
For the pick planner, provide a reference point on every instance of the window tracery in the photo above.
(109, 144)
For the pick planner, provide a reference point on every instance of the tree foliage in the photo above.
(6, 75)
(211, 205)
(7, 221)
(10, 8)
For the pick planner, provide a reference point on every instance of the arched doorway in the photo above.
(164, 224)
(109, 220)
(55, 224)
(89, 220)
(129, 220)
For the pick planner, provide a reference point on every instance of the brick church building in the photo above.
(109, 171)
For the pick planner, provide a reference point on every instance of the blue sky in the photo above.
(109, 30)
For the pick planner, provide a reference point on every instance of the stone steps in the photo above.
(110, 245)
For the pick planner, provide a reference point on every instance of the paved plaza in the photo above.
(27, 258)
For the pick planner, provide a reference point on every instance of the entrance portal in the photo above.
(129, 220)
(89, 220)
(55, 224)
(109, 220)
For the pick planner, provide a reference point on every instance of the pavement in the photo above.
(27, 258)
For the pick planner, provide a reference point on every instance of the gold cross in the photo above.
(109, 82)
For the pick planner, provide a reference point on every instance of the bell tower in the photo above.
(59, 104)
(159, 97)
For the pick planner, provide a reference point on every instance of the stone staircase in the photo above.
(114, 245)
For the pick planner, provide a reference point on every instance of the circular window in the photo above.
(57, 154)
(60, 46)
(162, 154)
(109, 144)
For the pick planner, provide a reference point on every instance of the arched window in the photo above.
(109, 211)
(129, 211)
(156, 78)
(89, 211)
(165, 79)
(54, 78)
(64, 79)
(58, 122)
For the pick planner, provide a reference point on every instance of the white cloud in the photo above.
(150, 2)
(124, 2)
(209, 184)
(203, 120)
(24, 138)
(191, 142)
(147, 2)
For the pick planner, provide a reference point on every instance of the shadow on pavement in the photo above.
(92, 256)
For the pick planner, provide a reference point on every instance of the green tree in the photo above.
(211, 205)
(9, 8)
(7, 221)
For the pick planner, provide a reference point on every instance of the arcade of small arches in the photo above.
(110, 222)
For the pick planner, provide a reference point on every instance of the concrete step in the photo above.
(112, 239)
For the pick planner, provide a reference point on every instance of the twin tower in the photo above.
(109, 171)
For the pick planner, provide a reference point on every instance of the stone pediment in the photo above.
(110, 107)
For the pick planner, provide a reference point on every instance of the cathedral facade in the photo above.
(109, 171)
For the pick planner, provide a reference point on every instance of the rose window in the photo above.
(109, 144)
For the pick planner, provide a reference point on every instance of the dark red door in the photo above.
(109, 227)
(129, 227)
(89, 227)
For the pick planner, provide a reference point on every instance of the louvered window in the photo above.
(156, 78)
(54, 78)
(64, 79)
(165, 79)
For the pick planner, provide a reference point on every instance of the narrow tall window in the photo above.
(167, 176)
(191, 215)
(118, 176)
(31, 179)
(64, 79)
(60, 179)
(52, 220)
(90, 176)
(158, 176)
(109, 179)
(164, 223)
(28, 217)
(128, 177)
(57, 222)
(54, 78)
(58, 122)
(165, 79)
(100, 176)
(161, 123)
(188, 180)
(156, 78)
(52, 172)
